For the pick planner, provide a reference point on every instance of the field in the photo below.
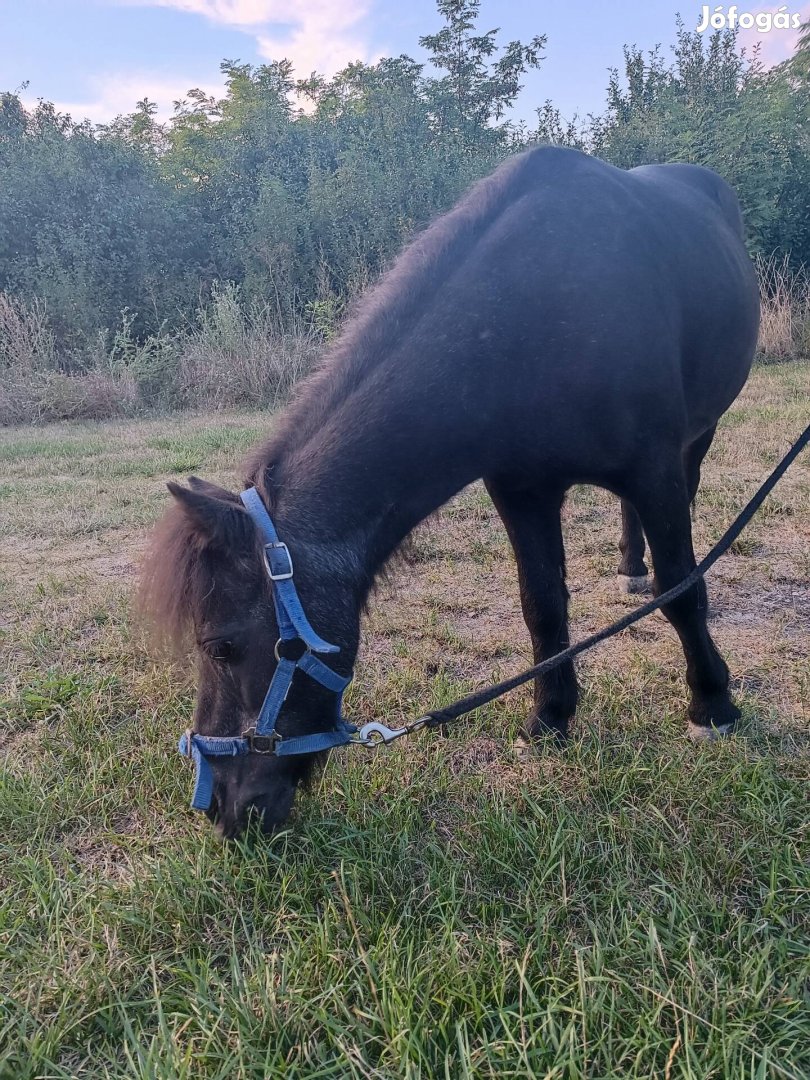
(632, 906)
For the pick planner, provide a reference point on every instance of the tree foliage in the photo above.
(300, 191)
(87, 225)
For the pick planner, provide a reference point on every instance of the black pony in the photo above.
(566, 323)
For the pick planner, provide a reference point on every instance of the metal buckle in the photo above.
(189, 748)
(261, 744)
(278, 545)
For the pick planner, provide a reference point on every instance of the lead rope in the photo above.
(439, 717)
(293, 621)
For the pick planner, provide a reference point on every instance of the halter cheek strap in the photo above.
(293, 625)
(292, 622)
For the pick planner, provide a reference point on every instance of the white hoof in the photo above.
(700, 733)
(522, 748)
(632, 586)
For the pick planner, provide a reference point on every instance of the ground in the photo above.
(631, 906)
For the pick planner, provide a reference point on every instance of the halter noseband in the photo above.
(293, 625)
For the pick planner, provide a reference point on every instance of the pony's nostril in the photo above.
(255, 815)
(232, 816)
(268, 810)
(231, 825)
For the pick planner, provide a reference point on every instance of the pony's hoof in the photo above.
(522, 748)
(527, 747)
(709, 732)
(712, 717)
(634, 586)
(546, 730)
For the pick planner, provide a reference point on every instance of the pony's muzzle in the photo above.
(235, 807)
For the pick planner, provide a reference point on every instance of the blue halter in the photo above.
(293, 625)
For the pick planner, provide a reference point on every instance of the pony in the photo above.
(567, 322)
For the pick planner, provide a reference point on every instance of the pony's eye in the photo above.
(220, 650)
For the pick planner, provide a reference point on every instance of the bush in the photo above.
(26, 340)
(150, 365)
(95, 395)
(239, 353)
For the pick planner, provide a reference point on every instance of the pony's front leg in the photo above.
(532, 520)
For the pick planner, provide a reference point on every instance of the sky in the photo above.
(97, 58)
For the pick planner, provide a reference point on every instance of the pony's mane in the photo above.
(392, 307)
(171, 578)
(177, 574)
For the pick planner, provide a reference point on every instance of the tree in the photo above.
(303, 207)
(799, 63)
(476, 91)
(88, 226)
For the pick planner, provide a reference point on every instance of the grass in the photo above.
(784, 332)
(634, 906)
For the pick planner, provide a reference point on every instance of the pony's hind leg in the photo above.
(693, 457)
(632, 575)
(662, 498)
(532, 521)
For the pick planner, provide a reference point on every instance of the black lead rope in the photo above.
(482, 697)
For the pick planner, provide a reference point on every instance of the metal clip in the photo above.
(375, 734)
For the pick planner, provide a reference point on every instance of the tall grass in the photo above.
(26, 340)
(233, 354)
(241, 355)
(238, 354)
(35, 387)
(784, 332)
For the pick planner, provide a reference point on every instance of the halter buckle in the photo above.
(261, 744)
(271, 562)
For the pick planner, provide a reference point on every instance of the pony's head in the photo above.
(205, 584)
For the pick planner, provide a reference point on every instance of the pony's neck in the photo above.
(346, 495)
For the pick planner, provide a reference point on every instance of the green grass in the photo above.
(634, 906)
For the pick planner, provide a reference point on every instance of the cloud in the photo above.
(113, 95)
(776, 45)
(315, 35)
(244, 13)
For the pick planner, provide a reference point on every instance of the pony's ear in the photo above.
(205, 487)
(223, 522)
